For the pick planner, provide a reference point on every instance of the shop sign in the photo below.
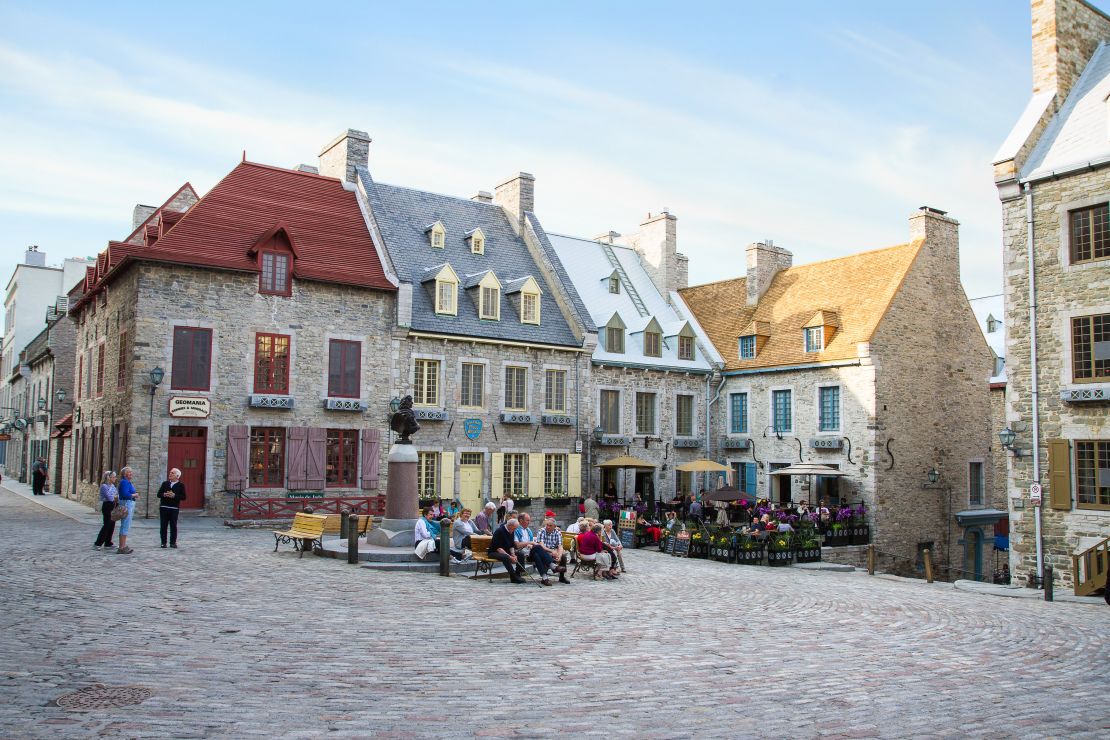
(472, 428)
(190, 407)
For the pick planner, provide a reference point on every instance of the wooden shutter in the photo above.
(371, 453)
(497, 475)
(574, 475)
(317, 452)
(1059, 474)
(238, 457)
(296, 457)
(447, 475)
(535, 474)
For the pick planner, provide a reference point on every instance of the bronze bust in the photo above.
(403, 421)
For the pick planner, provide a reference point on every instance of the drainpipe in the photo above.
(708, 406)
(1034, 393)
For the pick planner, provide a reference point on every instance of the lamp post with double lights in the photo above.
(156, 375)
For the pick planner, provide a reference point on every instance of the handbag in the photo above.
(119, 511)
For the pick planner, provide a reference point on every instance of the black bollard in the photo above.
(445, 546)
(343, 516)
(352, 543)
(1048, 583)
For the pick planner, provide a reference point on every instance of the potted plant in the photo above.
(720, 545)
(699, 544)
(860, 533)
(749, 550)
(808, 549)
(780, 549)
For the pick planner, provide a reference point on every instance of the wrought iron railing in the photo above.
(285, 508)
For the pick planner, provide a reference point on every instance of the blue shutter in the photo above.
(749, 477)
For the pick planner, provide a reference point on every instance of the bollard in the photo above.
(343, 516)
(445, 546)
(1048, 583)
(352, 544)
(928, 557)
(870, 560)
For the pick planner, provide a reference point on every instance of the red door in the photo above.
(187, 454)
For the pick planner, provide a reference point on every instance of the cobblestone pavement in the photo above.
(232, 640)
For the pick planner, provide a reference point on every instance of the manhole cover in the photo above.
(102, 697)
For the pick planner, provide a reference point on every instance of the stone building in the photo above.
(1053, 170)
(837, 363)
(653, 367)
(243, 338)
(489, 337)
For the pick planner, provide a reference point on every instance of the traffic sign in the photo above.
(1035, 493)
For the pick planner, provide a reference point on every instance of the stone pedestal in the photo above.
(399, 523)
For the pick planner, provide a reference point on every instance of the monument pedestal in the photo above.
(401, 503)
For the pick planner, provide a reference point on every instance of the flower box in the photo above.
(837, 538)
(722, 553)
(859, 534)
(699, 548)
(749, 557)
(808, 554)
(780, 557)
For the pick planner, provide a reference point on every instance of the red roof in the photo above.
(223, 229)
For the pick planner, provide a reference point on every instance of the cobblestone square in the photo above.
(233, 640)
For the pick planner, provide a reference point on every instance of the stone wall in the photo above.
(1065, 35)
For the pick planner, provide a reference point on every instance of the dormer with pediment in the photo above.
(524, 295)
(613, 332)
(445, 290)
(485, 290)
(476, 238)
(437, 234)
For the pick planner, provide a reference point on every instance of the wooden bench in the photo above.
(479, 548)
(569, 545)
(334, 521)
(306, 528)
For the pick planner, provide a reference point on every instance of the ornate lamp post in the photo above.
(156, 375)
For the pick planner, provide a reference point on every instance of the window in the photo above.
(271, 363)
(478, 242)
(274, 276)
(609, 411)
(554, 475)
(267, 457)
(975, 484)
(1090, 348)
(529, 308)
(815, 338)
(80, 374)
(781, 410)
(427, 474)
(615, 285)
(437, 239)
(344, 368)
(445, 297)
(425, 383)
(555, 391)
(88, 374)
(614, 340)
(1092, 474)
(685, 348)
(744, 475)
(192, 355)
(738, 408)
(684, 416)
(490, 303)
(828, 409)
(473, 385)
(516, 386)
(436, 235)
(683, 482)
(645, 413)
(1090, 233)
(992, 324)
(121, 365)
(514, 473)
(100, 370)
(341, 458)
(653, 344)
(747, 347)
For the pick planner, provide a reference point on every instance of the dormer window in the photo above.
(446, 294)
(613, 335)
(685, 348)
(489, 298)
(819, 330)
(477, 241)
(274, 276)
(815, 338)
(653, 344)
(747, 347)
(615, 285)
(992, 324)
(529, 308)
(437, 235)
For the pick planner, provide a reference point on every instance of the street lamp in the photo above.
(933, 476)
(156, 375)
(1007, 438)
(599, 432)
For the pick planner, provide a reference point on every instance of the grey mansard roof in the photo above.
(403, 215)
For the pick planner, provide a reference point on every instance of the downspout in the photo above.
(1034, 393)
(708, 407)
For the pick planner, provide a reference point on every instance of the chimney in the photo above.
(345, 152)
(482, 196)
(657, 244)
(516, 196)
(34, 257)
(942, 239)
(1065, 35)
(765, 260)
(307, 168)
(140, 214)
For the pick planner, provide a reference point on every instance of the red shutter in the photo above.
(317, 449)
(296, 457)
(238, 457)
(371, 449)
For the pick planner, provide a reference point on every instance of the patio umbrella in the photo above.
(702, 465)
(626, 461)
(810, 469)
(728, 493)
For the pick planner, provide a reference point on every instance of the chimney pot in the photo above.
(482, 196)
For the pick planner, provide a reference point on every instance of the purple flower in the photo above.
(844, 514)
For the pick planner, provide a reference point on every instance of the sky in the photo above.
(821, 125)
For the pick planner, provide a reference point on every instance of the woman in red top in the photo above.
(591, 548)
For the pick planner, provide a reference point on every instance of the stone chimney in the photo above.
(657, 244)
(482, 196)
(516, 196)
(345, 152)
(942, 239)
(765, 260)
(34, 257)
(140, 214)
(1065, 35)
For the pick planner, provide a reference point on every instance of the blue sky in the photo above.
(821, 125)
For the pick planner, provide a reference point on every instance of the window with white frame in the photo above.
(490, 302)
(446, 297)
(815, 338)
(529, 308)
(425, 383)
(554, 475)
(684, 415)
(645, 413)
(747, 347)
(514, 473)
(828, 408)
(427, 474)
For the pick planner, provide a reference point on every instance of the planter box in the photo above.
(808, 555)
(780, 557)
(699, 549)
(749, 557)
(860, 535)
(722, 553)
(837, 538)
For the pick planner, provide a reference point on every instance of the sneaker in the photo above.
(163, 547)
(456, 561)
(174, 546)
(122, 551)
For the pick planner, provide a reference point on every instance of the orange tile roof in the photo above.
(857, 289)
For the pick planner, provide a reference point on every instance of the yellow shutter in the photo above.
(447, 475)
(574, 475)
(497, 475)
(1059, 474)
(535, 474)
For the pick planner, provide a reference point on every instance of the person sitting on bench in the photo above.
(503, 547)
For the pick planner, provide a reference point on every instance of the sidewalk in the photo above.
(1060, 593)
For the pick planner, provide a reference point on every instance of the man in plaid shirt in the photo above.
(548, 549)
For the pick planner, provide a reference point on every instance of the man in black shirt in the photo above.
(503, 547)
(170, 495)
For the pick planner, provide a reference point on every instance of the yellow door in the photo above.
(470, 487)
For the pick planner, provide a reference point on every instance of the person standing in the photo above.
(592, 510)
(170, 495)
(38, 476)
(108, 496)
(126, 490)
